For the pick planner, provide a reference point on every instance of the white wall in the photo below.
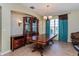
(40, 27)
(22, 9)
(15, 29)
(5, 39)
(18, 30)
(73, 23)
(43, 26)
(6, 23)
(0, 28)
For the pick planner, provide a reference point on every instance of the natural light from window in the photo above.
(54, 26)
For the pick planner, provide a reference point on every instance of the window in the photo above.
(54, 26)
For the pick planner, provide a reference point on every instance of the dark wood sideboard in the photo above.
(17, 41)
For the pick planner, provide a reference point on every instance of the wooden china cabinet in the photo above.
(30, 28)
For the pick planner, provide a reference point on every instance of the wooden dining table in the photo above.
(41, 42)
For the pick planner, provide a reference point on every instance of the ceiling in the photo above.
(45, 9)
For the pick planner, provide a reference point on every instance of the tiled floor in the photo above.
(57, 49)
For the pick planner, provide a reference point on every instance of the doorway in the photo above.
(63, 28)
(54, 27)
(59, 27)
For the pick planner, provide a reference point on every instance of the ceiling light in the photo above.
(47, 17)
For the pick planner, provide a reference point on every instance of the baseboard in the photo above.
(3, 53)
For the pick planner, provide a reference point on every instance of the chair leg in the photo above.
(33, 50)
(52, 42)
(78, 53)
(41, 52)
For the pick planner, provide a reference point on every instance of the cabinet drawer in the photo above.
(16, 45)
(28, 38)
(17, 42)
(22, 42)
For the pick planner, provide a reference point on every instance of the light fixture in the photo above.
(19, 22)
(44, 17)
(47, 17)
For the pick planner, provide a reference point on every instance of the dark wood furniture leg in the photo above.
(38, 48)
(41, 52)
(52, 41)
(78, 53)
(34, 49)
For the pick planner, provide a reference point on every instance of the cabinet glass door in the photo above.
(34, 25)
(27, 25)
